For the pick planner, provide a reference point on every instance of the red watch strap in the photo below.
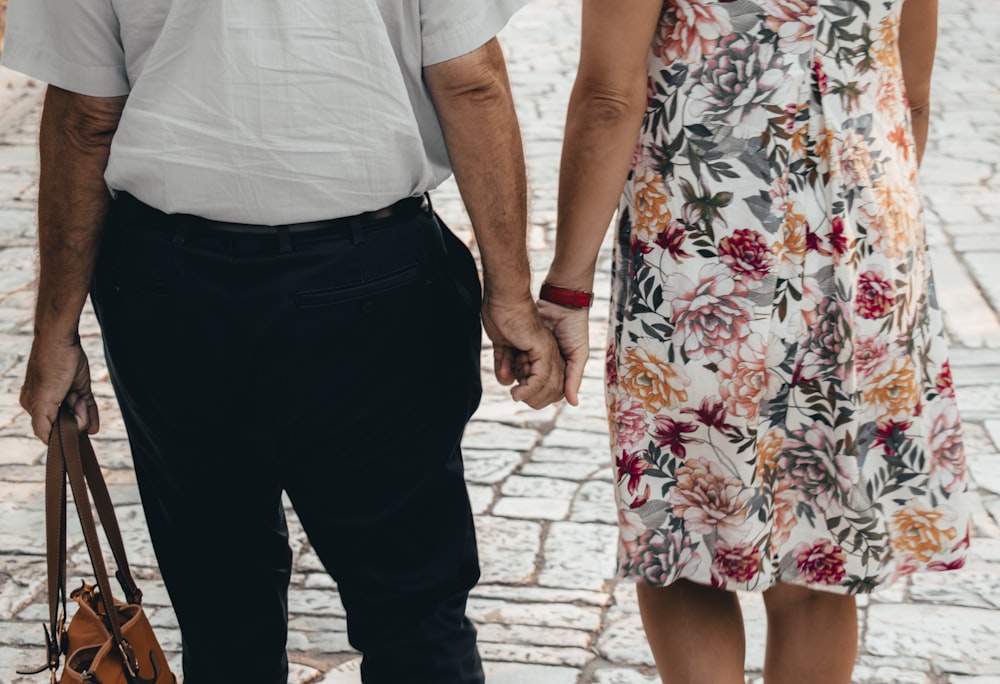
(576, 299)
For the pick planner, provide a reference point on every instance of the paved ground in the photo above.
(548, 609)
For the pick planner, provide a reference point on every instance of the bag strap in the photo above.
(76, 451)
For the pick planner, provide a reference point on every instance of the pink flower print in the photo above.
(739, 563)
(948, 450)
(779, 195)
(828, 349)
(812, 464)
(707, 499)
(794, 21)
(745, 379)
(891, 436)
(712, 318)
(821, 562)
(820, 77)
(629, 422)
(747, 253)
(876, 295)
(690, 29)
(611, 365)
(944, 382)
(631, 467)
(871, 356)
(667, 432)
(711, 414)
(658, 559)
(671, 240)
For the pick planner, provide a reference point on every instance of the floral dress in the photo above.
(781, 405)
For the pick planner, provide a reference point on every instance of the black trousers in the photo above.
(338, 367)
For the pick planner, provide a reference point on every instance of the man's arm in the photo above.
(472, 97)
(74, 143)
(917, 42)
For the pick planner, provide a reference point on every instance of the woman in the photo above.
(782, 412)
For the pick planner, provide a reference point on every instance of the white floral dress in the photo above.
(781, 405)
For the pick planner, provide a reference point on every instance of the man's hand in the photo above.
(571, 328)
(58, 371)
(524, 351)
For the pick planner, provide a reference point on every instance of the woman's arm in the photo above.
(917, 41)
(602, 128)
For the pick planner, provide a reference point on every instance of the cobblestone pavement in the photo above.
(548, 608)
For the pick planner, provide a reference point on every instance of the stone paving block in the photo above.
(315, 602)
(531, 508)
(979, 402)
(505, 410)
(21, 451)
(562, 438)
(579, 556)
(516, 673)
(533, 594)
(493, 436)
(956, 639)
(490, 466)
(508, 549)
(492, 611)
(985, 468)
(595, 502)
(594, 455)
(481, 498)
(498, 633)
(969, 318)
(575, 472)
(552, 655)
(615, 675)
(889, 675)
(519, 485)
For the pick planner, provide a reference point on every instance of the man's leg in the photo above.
(211, 497)
(375, 396)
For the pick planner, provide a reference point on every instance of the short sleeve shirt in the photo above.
(259, 111)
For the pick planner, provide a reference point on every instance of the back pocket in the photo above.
(339, 295)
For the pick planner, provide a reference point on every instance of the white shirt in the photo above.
(259, 111)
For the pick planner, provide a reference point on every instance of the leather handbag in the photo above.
(107, 641)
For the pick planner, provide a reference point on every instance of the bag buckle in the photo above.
(55, 647)
(131, 664)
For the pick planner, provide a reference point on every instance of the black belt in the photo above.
(410, 207)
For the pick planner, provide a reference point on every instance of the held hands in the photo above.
(524, 351)
(571, 328)
(58, 371)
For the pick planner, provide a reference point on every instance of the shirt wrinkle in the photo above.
(235, 106)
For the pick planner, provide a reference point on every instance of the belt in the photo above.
(348, 225)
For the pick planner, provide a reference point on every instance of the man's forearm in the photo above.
(476, 110)
(74, 142)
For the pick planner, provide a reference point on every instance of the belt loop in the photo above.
(284, 240)
(428, 207)
(357, 230)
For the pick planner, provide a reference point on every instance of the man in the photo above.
(281, 310)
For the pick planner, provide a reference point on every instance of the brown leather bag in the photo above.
(101, 646)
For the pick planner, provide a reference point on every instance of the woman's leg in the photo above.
(812, 636)
(695, 632)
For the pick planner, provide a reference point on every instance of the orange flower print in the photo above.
(922, 533)
(894, 218)
(895, 392)
(654, 383)
(768, 451)
(651, 211)
(707, 499)
(783, 514)
(790, 250)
